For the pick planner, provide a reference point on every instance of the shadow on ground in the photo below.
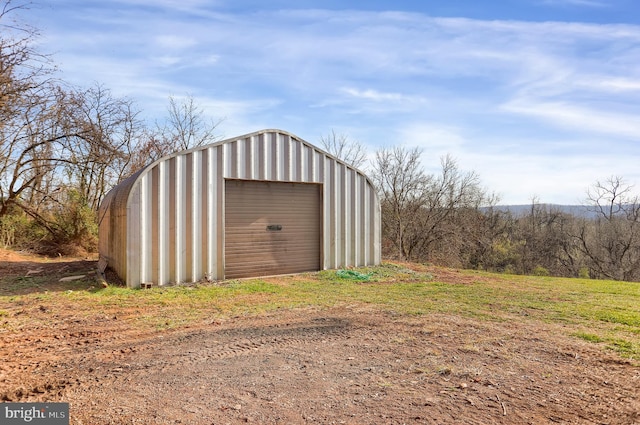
(26, 277)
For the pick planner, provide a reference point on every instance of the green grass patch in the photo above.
(607, 310)
(588, 337)
(625, 348)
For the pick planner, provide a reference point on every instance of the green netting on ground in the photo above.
(353, 275)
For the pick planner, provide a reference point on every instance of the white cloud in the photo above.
(619, 84)
(374, 95)
(581, 119)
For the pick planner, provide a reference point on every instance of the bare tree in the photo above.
(25, 98)
(402, 183)
(27, 154)
(611, 241)
(544, 243)
(102, 131)
(23, 68)
(427, 217)
(150, 146)
(342, 147)
(186, 126)
(441, 225)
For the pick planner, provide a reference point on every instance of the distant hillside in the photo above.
(576, 210)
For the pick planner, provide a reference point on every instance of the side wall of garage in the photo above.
(174, 213)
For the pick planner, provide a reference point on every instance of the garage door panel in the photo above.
(271, 228)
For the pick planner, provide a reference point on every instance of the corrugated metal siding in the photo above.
(166, 224)
(271, 227)
(113, 228)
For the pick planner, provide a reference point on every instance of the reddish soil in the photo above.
(347, 365)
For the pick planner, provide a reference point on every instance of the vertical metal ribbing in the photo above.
(362, 228)
(353, 217)
(219, 201)
(196, 216)
(279, 157)
(338, 194)
(287, 170)
(244, 155)
(209, 169)
(146, 229)
(120, 245)
(163, 224)
(142, 261)
(188, 164)
(236, 161)
(227, 156)
(180, 228)
(251, 159)
(317, 174)
(377, 228)
(348, 224)
(371, 228)
(154, 216)
(260, 157)
(133, 224)
(329, 212)
(241, 159)
(307, 163)
(371, 233)
(217, 166)
(302, 163)
(276, 147)
(297, 165)
(171, 219)
(293, 166)
(274, 154)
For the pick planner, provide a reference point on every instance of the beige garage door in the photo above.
(271, 228)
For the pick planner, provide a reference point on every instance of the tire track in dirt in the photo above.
(241, 341)
(131, 357)
(211, 345)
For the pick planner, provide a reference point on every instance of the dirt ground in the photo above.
(346, 365)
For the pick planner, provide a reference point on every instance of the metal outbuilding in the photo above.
(261, 204)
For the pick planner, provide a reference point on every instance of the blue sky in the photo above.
(541, 98)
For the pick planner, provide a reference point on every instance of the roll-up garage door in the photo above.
(271, 228)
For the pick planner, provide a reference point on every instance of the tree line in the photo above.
(450, 219)
(63, 147)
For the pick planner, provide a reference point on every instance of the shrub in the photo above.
(76, 224)
(540, 271)
(583, 273)
(19, 231)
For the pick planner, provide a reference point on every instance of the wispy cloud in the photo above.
(473, 88)
(614, 84)
(374, 95)
(579, 118)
